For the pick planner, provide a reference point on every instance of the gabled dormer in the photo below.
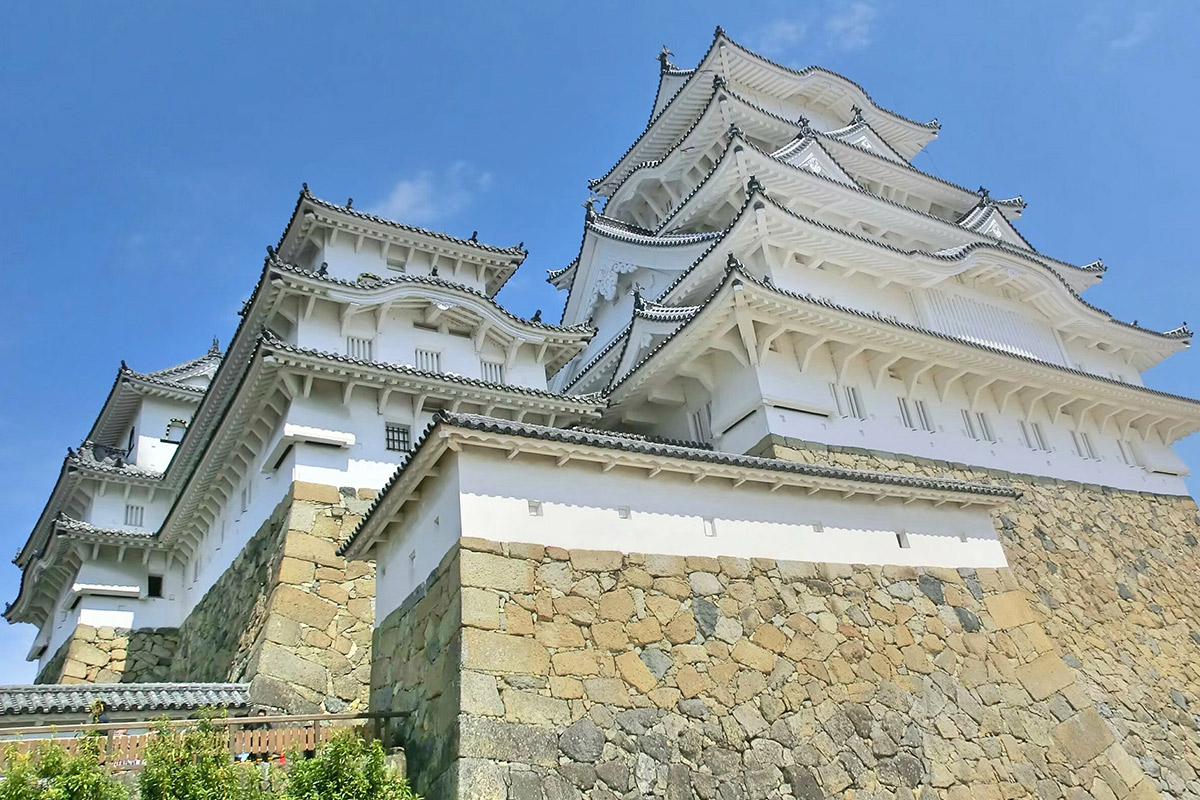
(346, 243)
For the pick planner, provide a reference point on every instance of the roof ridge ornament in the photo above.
(664, 59)
(857, 111)
(754, 185)
(733, 131)
(215, 350)
(718, 81)
(732, 262)
(589, 206)
(718, 32)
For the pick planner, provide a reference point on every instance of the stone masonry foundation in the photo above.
(289, 616)
(112, 655)
(535, 672)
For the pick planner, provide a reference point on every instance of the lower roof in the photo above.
(78, 698)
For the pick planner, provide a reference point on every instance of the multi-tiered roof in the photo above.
(751, 178)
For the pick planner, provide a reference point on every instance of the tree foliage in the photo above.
(346, 768)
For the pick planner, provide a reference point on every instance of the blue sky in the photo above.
(150, 151)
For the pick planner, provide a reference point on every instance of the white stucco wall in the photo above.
(580, 507)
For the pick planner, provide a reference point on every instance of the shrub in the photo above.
(55, 775)
(195, 764)
(346, 768)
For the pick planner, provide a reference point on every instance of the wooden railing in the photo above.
(124, 743)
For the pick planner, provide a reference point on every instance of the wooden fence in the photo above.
(124, 742)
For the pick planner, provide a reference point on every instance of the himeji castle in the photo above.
(826, 483)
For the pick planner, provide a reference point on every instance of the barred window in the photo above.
(429, 360)
(135, 515)
(360, 348)
(701, 422)
(848, 401)
(398, 437)
(493, 371)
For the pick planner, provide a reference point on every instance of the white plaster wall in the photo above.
(398, 340)
(347, 264)
(150, 427)
(416, 546)
(108, 503)
(883, 431)
(667, 515)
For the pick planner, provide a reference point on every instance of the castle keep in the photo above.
(827, 483)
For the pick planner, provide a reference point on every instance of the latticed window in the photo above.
(702, 423)
(493, 371)
(848, 401)
(429, 360)
(398, 437)
(360, 348)
(134, 515)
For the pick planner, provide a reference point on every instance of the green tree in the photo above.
(346, 768)
(55, 775)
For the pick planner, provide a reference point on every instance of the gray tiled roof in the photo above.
(78, 698)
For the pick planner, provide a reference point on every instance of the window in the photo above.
(154, 586)
(429, 360)
(623, 512)
(397, 264)
(129, 444)
(493, 371)
(924, 418)
(397, 437)
(245, 497)
(701, 422)
(535, 508)
(977, 426)
(175, 430)
(134, 515)
(1083, 445)
(360, 348)
(848, 401)
(902, 540)
(915, 416)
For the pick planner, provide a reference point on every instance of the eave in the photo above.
(442, 300)
(324, 222)
(603, 451)
(959, 361)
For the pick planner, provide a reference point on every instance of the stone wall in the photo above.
(289, 616)
(415, 672)
(601, 674)
(1115, 577)
(112, 655)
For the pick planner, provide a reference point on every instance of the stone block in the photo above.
(534, 709)
(1010, 609)
(682, 629)
(610, 691)
(559, 634)
(481, 545)
(635, 672)
(1044, 676)
(480, 608)
(645, 631)
(306, 547)
(753, 656)
(490, 651)
(316, 492)
(576, 662)
(1082, 737)
(534, 552)
(276, 662)
(507, 741)
(333, 593)
(596, 560)
(302, 606)
(480, 779)
(293, 570)
(489, 571)
(660, 566)
(610, 636)
(617, 605)
(566, 688)
(87, 653)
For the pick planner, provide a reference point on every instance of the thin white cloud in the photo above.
(851, 26)
(1138, 33)
(431, 196)
(780, 36)
(831, 27)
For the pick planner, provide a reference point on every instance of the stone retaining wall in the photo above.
(112, 655)
(601, 674)
(289, 616)
(415, 671)
(1115, 576)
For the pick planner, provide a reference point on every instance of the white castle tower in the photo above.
(769, 266)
